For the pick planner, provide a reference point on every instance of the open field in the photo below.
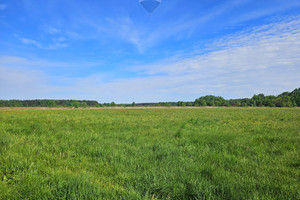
(217, 153)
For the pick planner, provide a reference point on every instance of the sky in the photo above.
(113, 50)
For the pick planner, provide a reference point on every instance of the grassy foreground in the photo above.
(222, 153)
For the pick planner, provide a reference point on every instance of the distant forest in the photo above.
(286, 99)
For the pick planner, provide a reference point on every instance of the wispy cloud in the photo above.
(265, 11)
(57, 46)
(260, 47)
(32, 42)
(58, 43)
(3, 6)
(262, 59)
(128, 31)
(52, 30)
(22, 78)
(59, 39)
(143, 37)
(23, 84)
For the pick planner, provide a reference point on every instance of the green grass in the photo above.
(222, 153)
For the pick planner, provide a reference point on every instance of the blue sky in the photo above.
(114, 51)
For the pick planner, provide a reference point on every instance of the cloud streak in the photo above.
(262, 59)
(58, 43)
(265, 57)
(274, 45)
(32, 42)
(144, 38)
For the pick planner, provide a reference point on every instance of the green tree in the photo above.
(76, 104)
(180, 103)
(83, 104)
(202, 102)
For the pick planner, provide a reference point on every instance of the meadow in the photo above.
(184, 153)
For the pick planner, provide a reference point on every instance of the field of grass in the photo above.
(216, 153)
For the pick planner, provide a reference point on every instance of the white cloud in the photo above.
(22, 84)
(14, 62)
(143, 37)
(29, 41)
(264, 59)
(58, 44)
(266, 47)
(145, 34)
(53, 31)
(125, 29)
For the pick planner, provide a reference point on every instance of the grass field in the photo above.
(217, 153)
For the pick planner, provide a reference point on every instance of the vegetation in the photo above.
(223, 153)
(48, 103)
(286, 99)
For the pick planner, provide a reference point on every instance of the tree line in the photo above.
(48, 103)
(286, 99)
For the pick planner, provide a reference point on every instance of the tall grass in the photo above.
(150, 154)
